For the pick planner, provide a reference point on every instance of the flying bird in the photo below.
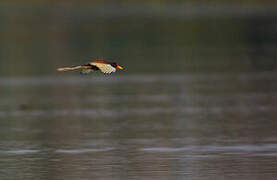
(104, 66)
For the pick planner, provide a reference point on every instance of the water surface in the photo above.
(169, 126)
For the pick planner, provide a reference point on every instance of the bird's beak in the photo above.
(119, 67)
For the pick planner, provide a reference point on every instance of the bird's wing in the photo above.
(104, 68)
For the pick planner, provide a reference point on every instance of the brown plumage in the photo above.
(104, 66)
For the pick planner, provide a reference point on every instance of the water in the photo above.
(169, 126)
(197, 99)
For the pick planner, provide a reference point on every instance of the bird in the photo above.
(104, 66)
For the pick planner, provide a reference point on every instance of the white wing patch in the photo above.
(104, 68)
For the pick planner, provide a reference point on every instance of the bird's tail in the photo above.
(69, 68)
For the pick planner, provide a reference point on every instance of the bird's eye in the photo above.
(114, 64)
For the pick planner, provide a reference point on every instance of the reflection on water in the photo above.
(202, 126)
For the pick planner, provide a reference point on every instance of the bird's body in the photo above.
(104, 66)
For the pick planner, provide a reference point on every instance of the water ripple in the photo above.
(20, 151)
(209, 148)
(80, 151)
(140, 111)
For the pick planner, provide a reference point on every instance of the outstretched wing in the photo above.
(104, 68)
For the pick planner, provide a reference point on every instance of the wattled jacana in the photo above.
(104, 66)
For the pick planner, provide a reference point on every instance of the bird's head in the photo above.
(115, 65)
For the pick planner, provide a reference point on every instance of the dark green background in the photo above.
(146, 37)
